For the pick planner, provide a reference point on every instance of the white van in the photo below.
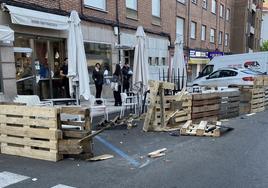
(255, 61)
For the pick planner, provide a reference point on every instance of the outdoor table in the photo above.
(58, 101)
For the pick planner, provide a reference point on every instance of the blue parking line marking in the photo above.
(118, 151)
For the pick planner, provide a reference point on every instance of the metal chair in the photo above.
(127, 101)
(98, 107)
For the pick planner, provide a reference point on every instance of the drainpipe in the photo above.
(118, 27)
(224, 30)
(188, 26)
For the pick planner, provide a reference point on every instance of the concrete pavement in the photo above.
(237, 159)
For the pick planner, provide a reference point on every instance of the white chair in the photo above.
(31, 100)
(95, 108)
(128, 101)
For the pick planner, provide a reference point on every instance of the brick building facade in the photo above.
(207, 28)
(108, 27)
(247, 21)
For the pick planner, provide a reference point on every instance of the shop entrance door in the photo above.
(49, 58)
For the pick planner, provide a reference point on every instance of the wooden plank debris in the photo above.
(101, 158)
(157, 153)
(204, 128)
(166, 111)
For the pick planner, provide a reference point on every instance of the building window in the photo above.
(227, 14)
(221, 10)
(156, 12)
(156, 7)
(194, 1)
(212, 35)
(163, 61)
(203, 32)
(180, 28)
(150, 61)
(98, 4)
(98, 53)
(226, 39)
(193, 30)
(131, 4)
(220, 38)
(156, 61)
(181, 1)
(205, 4)
(132, 7)
(213, 6)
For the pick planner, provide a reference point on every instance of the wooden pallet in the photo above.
(266, 96)
(205, 106)
(30, 132)
(229, 106)
(252, 100)
(201, 129)
(170, 105)
(265, 81)
(79, 128)
(258, 81)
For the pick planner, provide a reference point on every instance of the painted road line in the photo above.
(118, 151)
(8, 178)
(62, 186)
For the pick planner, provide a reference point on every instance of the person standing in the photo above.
(65, 79)
(116, 85)
(127, 73)
(97, 76)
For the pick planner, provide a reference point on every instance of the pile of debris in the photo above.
(166, 112)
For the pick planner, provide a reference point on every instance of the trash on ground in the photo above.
(101, 157)
(157, 153)
(251, 114)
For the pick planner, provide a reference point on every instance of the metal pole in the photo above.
(182, 78)
(118, 26)
(179, 84)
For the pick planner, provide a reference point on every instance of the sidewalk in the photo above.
(110, 107)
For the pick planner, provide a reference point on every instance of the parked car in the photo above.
(226, 77)
(257, 61)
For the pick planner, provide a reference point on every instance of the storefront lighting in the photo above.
(57, 55)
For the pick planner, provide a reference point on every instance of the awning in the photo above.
(6, 34)
(198, 61)
(34, 18)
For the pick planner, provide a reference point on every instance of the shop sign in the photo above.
(211, 55)
(198, 54)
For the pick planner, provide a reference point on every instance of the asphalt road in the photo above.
(237, 159)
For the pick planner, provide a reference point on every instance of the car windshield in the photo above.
(251, 72)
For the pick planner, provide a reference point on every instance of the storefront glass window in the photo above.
(38, 63)
(98, 53)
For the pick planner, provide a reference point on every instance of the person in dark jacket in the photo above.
(98, 80)
(126, 73)
(117, 85)
(65, 79)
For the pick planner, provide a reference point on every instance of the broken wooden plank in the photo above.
(201, 128)
(101, 157)
(152, 97)
(157, 152)
(185, 127)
